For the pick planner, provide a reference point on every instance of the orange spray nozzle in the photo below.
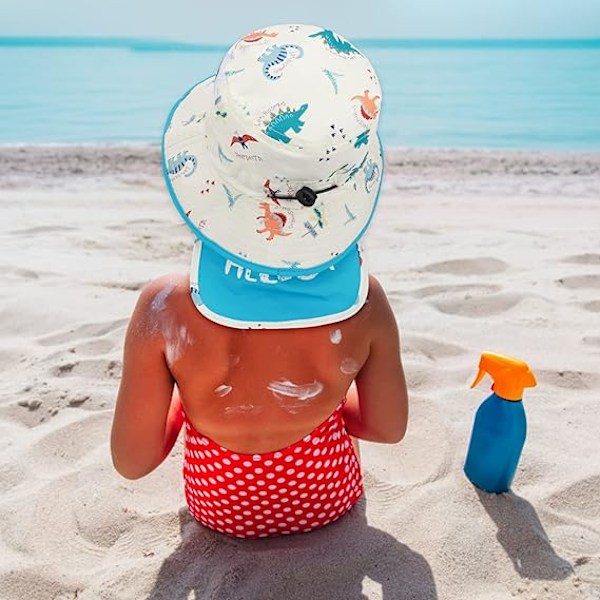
(511, 375)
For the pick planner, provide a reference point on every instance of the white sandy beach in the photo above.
(477, 251)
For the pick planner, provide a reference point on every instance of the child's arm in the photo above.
(377, 408)
(148, 414)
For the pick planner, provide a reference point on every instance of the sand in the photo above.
(477, 251)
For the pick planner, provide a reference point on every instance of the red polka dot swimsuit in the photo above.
(293, 490)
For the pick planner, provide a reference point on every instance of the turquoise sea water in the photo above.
(530, 95)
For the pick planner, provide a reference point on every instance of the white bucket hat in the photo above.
(275, 163)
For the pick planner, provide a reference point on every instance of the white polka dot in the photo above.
(316, 441)
(290, 519)
(235, 456)
(255, 498)
(240, 482)
(292, 482)
(279, 467)
(239, 527)
(247, 463)
(277, 455)
(238, 470)
(278, 516)
(245, 503)
(299, 462)
(229, 474)
(289, 458)
(283, 491)
(249, 476)
(226, 461)
(258, 470)
(281, 480)
(231, 486)
(290, 471)
(270, 475)
(268, 463)
(260, 482)
(317, 451)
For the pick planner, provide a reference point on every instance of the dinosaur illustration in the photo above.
(368, 107)
(256, 36)
(183, 163)
(283, 121)
(273, 222)
(335, 43)
(333, 77)
(371, 172)
(242, 140)
(276, 58)
(231, 198)
(222, 156)
(362, 139)
(351, 215)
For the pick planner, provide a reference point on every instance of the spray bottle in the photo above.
(500, 426)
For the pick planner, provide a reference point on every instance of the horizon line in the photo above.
(155, 44)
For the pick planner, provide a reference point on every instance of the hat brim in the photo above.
(237, 224)
(228, 293)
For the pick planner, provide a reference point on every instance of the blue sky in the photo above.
(223, 21)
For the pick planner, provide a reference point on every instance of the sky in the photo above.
(222, 21)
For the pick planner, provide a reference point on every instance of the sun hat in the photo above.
(275, 165)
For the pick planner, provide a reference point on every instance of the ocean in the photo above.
(486, 94)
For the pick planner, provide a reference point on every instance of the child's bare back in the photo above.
(255, 391)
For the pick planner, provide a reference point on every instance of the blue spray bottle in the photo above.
(500, 426)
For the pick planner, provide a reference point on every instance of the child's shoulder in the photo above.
(164, 290)
(164, 296)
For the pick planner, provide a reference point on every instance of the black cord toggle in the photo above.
(305, 195)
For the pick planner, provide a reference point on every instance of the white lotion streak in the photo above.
(176, 342)
(349, 366)
(241, 409)
(304, 391)
(335, 336)
(223, 390)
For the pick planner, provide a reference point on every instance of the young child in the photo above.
(278, 350)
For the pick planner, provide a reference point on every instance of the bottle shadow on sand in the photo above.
(522, 535)
(330, 563)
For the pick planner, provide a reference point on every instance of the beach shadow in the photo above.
(523, 537)
(330, 563)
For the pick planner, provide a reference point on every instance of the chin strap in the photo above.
(305, 195)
